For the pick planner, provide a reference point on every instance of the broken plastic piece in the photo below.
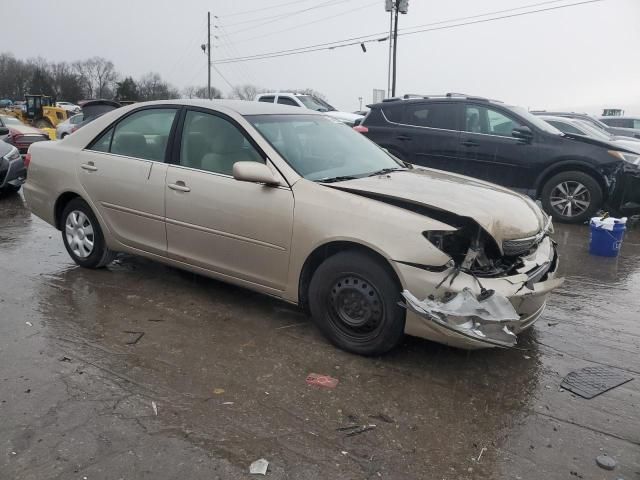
(464, 313)
(364, 428)
(155, 408)
(322, 380)
(592, 381)
(259, 467)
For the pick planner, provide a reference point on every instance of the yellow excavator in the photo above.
(40, 111)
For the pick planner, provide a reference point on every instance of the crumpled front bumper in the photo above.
(12, 172)
(457, 314)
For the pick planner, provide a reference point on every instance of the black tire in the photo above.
(354, 300)
(555, 202)
(43, 123)
(64, 135)
(99, 255)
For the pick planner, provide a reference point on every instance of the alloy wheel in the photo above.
(570, 198)
(79, 233)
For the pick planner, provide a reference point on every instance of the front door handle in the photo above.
(469, 143)
(90, 167)
(403, 137)
(179, 186)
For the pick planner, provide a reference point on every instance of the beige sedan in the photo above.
(299, 206)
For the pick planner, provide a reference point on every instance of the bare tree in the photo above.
(201, 92)
(97, 75)
(246, 92)
(152, 87)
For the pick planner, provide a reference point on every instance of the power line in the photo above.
(262, 9)
(361, 39)
(367, 5)
(222, 76)
(276, 18)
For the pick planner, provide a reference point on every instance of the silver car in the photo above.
(299, 206)
(68, 126)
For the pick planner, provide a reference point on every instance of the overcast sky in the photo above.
(583, 57)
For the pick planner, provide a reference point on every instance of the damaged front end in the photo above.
(487, 293)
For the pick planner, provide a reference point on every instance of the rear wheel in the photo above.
(354, 300)
(82, 236)
(572, 197)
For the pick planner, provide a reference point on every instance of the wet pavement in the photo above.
(226, 368)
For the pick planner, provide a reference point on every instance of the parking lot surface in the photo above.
(140, 371)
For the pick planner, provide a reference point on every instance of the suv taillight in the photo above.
(361, 129)
(27, 160)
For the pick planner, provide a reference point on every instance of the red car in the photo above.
(18, 134)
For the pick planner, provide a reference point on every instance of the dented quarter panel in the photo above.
(503, 213)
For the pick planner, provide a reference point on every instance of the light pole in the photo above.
(360, 98)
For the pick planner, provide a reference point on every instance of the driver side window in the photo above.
(488, 121)
(214, 144)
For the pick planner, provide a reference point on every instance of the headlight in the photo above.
(632, 158)
(13, 154)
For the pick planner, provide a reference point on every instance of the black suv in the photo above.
(574, 176)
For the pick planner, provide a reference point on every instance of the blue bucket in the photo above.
(604, 242)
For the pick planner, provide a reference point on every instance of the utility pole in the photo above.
(209, 54)
(394, 7)
(360, 98)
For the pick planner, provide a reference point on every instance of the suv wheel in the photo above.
(82, 236)
(354, 300)
(571, 197)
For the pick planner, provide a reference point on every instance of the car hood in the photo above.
(610, 144)
(502, 213)
(344, 116)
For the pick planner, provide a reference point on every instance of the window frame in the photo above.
(177, 143)
(272, 97)
(113, 125)
(289, 99)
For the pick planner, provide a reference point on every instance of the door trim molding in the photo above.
(132, 211)
(225, 234)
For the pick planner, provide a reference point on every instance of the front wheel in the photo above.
(82, 236)
(572, 197)
(354, 300)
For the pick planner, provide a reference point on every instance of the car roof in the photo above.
(414, 98)
(241, 107)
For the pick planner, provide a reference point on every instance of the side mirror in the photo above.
(254, 172)
(4, 131)
(522, 133)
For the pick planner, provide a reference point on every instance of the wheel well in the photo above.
(62, 202)
(598, 177)
(320, 254)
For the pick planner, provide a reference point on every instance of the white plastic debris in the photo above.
(155, 408)
(496, 308)
(607, 223)
(29, 323)
(259, 467)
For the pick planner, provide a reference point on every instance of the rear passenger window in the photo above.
(393, 113)
(144, 134)
(268, 99)
(287, 101)
(433, 115)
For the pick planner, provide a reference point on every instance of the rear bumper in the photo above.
(523, 298)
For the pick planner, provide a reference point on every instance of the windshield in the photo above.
(537, 121)
(11, 121)
(314, 103)
(321, 148)
(593, 131)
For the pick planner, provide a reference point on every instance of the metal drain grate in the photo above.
(592, 381)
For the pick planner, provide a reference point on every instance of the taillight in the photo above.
(15, 138)
(361, 129)
(27, 160)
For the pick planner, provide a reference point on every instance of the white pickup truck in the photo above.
(308, 101)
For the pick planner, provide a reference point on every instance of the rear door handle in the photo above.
(90, 167)
(403, 137)
(469, 143)
(179, 186)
